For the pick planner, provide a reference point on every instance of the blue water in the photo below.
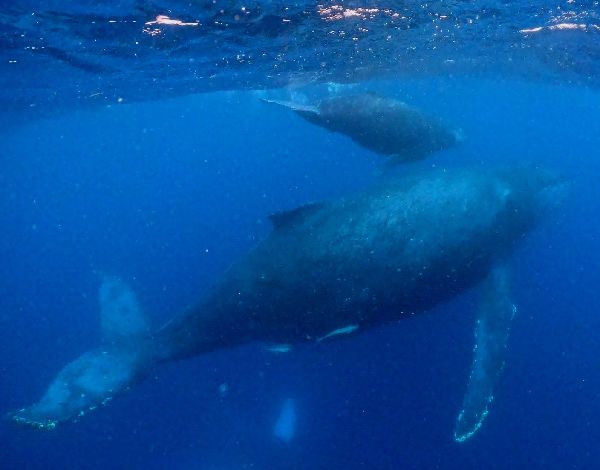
(168, 193)
(101, 53)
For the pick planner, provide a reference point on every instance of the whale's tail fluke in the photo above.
(93, 378)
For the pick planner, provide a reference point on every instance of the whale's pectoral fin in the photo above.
(93, 378)
(301, 109)
(491, 335)
(345, 330)
(307, 112)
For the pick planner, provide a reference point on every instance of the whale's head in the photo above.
(531, 193)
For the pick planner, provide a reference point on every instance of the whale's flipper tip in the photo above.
(95, 377)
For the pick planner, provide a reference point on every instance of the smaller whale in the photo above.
(382, 125)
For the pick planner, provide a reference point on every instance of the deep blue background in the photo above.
(168, 194)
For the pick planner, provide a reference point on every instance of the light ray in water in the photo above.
(285, 426)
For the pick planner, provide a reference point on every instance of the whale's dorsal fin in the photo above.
(284, 218)
(496, 312)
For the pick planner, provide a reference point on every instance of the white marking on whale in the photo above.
(280, 348)
(346, 330)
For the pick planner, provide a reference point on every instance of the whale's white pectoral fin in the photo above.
(93, 378)
(491, 336)
(299, 108)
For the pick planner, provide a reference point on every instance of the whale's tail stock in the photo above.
(91, 380)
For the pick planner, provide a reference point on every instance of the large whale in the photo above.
(331, 269)
(381, 124)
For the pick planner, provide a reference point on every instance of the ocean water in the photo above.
(167, 187)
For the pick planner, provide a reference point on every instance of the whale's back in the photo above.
(390, 252)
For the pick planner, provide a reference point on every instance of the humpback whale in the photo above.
(330, 270)
(382, 125)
